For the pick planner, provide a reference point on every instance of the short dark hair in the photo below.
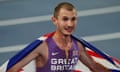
(66, 5)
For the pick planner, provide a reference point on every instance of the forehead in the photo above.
(69, 13)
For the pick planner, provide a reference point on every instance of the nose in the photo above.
(70, 23)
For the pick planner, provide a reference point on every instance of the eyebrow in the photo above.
(74, 17)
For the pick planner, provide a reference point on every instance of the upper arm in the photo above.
(32, 55)
(86, 59)
(84, 56)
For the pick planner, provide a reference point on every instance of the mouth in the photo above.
(69, 29)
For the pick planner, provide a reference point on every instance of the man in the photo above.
(60, 52)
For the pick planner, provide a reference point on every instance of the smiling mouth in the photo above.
(69, 29)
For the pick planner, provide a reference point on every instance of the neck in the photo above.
(64, 42)
(61, 37)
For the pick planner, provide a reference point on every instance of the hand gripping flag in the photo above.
(108, 61)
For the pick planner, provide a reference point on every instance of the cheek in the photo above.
(61, 23)
(75, 23)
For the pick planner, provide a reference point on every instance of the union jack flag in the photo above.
(108, 61)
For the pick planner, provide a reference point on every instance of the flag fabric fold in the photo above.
(108, 61)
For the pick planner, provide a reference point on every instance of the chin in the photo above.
(68, 34)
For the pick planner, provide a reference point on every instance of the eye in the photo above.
(73, 18)
(65, 19)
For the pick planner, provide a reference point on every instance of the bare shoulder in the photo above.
(80, 46)
(42, 47)
(42, 58)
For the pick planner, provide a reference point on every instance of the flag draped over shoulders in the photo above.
(108, 61)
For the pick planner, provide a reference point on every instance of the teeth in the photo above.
(69, 29)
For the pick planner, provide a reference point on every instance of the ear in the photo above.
(54, 20)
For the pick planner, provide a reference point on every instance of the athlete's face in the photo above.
(66, 21)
